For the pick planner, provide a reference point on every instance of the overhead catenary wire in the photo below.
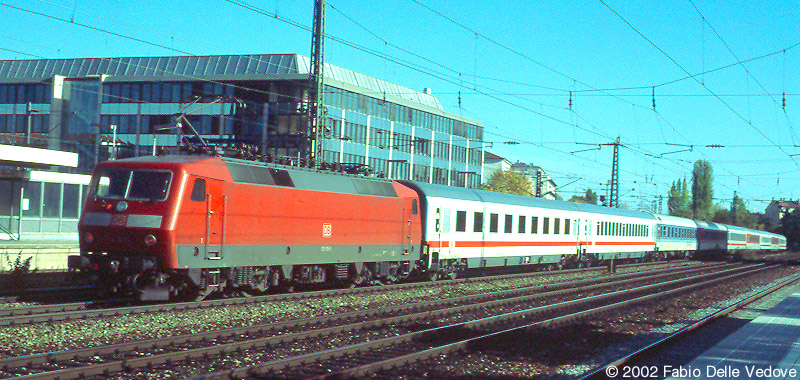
(568, 123)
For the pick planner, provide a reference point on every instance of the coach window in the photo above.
(199, 190)
(534, 224)
(556, 226)
(478, 226)
(509, 226)
(546, 225)
(461, 221)
(494, 220)
(566, 226)
(521, 227)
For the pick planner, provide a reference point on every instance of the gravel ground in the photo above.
(46, 337)
(565, 353)
(534, 353)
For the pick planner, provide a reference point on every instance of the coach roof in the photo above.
(459, 193)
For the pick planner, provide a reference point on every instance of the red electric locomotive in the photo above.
(169, 227)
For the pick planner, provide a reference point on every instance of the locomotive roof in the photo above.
(460, 193)
(177, 159)
(258, 173)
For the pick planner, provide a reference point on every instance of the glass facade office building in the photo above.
(70, 104)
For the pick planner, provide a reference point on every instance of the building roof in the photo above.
(787, 204)
(221, 67)
(491, 156)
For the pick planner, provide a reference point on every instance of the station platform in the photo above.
(46, 255)
(767, 347)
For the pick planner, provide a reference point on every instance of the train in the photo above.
(187, 226)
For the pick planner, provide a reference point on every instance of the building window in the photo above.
(32, 192)
(51, 200)
(72, 201)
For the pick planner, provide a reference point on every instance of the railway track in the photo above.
(478, 312)
(652, 349)
(22, 315)
(45, 294)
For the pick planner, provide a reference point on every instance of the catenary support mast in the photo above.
(316, 92)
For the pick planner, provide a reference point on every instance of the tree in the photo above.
(790, 227)
(678, 200)
(702, 192)
(507, 181)
(590, 197)
(722, 215)
(739, 214)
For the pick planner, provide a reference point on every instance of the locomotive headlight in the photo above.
(122, 206)
(149, 240)
(88, 237)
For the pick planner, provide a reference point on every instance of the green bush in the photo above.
(19, 272)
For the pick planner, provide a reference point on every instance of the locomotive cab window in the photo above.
(148, 185)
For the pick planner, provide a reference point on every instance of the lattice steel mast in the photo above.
(614, 196)
(316, 92)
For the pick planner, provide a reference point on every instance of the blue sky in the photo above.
(512, 66)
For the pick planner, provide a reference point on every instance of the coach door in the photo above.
(216, 212)
(584, 231)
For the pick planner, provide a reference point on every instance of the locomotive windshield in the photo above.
(129, 184)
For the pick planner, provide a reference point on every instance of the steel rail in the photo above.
(423, 309)
(658, 290)
(394, 362)
(11, 316)
(599, 372)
